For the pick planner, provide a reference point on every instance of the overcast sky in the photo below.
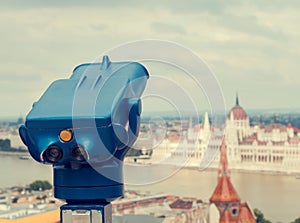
(253, 47)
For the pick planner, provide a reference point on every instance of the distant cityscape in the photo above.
(20, 201)
(283, 117)
(268, 142)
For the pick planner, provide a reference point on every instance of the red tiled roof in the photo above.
(250, 139)
(281, 128)
(281, 143)
(181, 204)
(296, 130)
(262, 143)
(46, 217)
(294, 141)
(226, 218)
(224, 191)
(246, 215)
(199, 201)
(238, 113)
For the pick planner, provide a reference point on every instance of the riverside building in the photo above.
(269, 148)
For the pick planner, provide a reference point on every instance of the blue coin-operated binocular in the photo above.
(84, 126)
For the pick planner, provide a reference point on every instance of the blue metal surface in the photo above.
(100, 104)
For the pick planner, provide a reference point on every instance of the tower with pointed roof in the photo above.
(237, 99)
(237, 124)
(290, 129)
(237, 111)
(225, 196)
(206, 124)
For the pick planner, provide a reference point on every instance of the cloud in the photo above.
(56, 3)
(161, 27)
(250, 25)
(247, 43)
(99, 27)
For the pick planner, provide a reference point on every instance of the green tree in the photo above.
(4, 143)
(260, 218)
(296, 220)
(40, 185)
(133, 152)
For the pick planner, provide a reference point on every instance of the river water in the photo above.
(277, 196)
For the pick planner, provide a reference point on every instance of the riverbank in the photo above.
(5, 153)
(210, 169)
(261, 172)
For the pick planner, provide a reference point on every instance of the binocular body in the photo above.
(84, 126)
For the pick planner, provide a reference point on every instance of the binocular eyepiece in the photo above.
(53, 154)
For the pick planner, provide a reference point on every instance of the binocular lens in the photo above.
(79, 153)
(53, 154)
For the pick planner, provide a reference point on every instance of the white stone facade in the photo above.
(273, 148)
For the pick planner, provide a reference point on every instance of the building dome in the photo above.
(237, 111)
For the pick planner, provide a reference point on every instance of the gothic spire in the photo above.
(237, 100)
(206, 121)
(275, 119)
(224, 192)
(223, 169)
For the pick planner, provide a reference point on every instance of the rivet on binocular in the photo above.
(66, 135)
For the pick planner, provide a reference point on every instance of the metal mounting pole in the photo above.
(84, 213)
